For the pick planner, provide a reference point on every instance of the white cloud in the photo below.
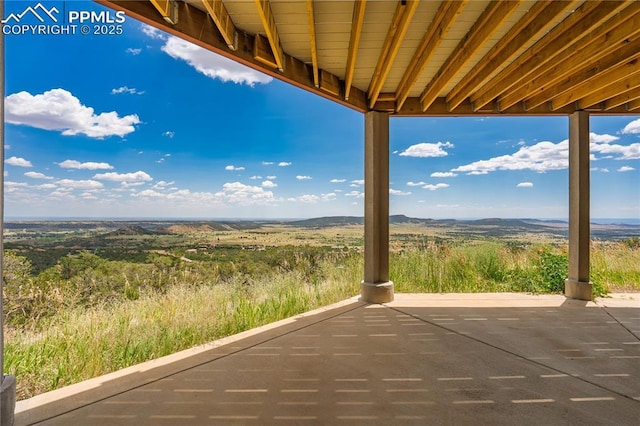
(267, 163)
(163, 184)
(18, 161)
(416, 183)
(138, 176)
(256, 177)
(268, 184)
(632, 128)
(284, 164)
(300, 177)
(398, 192)
(169, 134)
(232, 168)
(356, 194)
(626, 169)
(624, 152)
(358, 182)
(596, 138)
(329, 196)
(435, 187)
(443, 174)
(337, 180)
(310, 199)
(153, 32)
(36, 175)
(239, 193)
(79, 184)
(90, 165)
(272, 177)
(525, 185)
(427, 150)
(59, 110)
(133, 51)
(213, 65)
(125, 89)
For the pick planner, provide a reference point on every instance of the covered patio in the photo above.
(394, 359)
(422, 359)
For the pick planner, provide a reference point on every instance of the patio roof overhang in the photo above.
(426, 58)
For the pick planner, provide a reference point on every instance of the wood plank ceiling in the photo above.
(426, 57)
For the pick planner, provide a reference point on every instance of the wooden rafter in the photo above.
(556, 42)
(354, 42)
(491, 18)
(624, 98)
(269, 25)
(589, 86)
(438, 28)
(535, 22)
(312, 41)
(615, 33)
(221, 18)
(614, 89)
(633, 105)
(585, 77)
(167, 9)
(399, 25)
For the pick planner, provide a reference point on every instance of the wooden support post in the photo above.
(578, 286)
(376, 287)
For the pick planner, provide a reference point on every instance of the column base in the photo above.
(376, 293)
(581, 290)
(8, 400)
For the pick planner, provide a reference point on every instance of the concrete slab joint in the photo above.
(376, 292)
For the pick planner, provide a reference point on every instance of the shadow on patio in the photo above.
(422, 359)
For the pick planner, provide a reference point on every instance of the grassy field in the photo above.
(96, 311)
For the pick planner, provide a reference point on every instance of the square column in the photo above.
(376, 287)
(578, 286)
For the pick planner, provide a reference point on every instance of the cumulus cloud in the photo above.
(357, 182)
(18, 161)
(443, 174)
(272, 177)
(268, 184)
(138, 176)
(284, 164)
(133, 51)
(153, 32)
(416, 183)
(632, 128)
(255, 177)
(398, 192)
(232, 168)
(90, 165)
(245, 195)
(36, 175)
(267, 163)
(355, 194)
(525, 185)
(307, 198)
(621, 169)
(213, 65)
(169, 134)
(329, 196)
(128, 90)
(435, 187)
(79, 184)
(427, 150)
(337, 180)
(596, 138)
(300, 177)
(59, 110)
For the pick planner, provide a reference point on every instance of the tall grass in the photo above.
(193, 306)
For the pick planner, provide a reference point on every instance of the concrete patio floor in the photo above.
(437, 359)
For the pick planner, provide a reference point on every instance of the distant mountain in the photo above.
(323, 222)
(131, 230)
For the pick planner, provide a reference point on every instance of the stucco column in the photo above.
(376, 287)
(578, 286)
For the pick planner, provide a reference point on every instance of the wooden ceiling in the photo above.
(428, 57)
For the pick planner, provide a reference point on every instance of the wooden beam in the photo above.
(221, 18)
(591, 85)
(585, 75)
(168, 9)
(489, 21)
(329, 83)
(633, 105)
(312, 41)
(354, 42)
(623, 99)
(445, 16)
(610, 91)
(557, 41)
(271, 31)
(395, 36)
(535, 22)
(197, 27)
(614, 34)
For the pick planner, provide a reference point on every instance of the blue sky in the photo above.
(143, 124)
